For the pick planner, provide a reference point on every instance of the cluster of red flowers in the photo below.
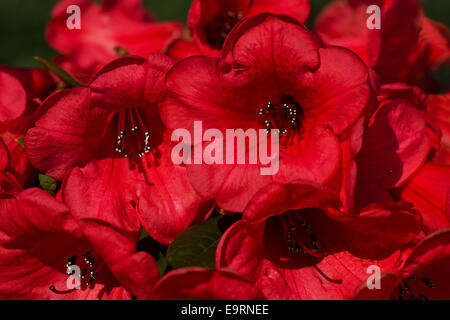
(364, 170)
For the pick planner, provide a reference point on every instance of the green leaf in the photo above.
(62, 74)
(196, 246)
(48, 184)
(155, 249)
(143, 235)
(21, 141)
(162, 264)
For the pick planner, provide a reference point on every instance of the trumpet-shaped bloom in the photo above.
(272, 75)
(111, 131)
(41, 243)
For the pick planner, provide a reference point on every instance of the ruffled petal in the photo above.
(69, 134)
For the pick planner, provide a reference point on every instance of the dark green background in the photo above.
(22, 24)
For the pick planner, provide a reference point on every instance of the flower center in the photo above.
(300, 238)
(132, 136)
(219, 27)
(89, 268)
(414, 287)
(286, 117)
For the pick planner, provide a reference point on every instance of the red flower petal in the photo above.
(431, 261)
(211, 21)
(278, 198)
(4, 156)
(180, 49)
(405, 49)
(114, 23)
(204, 284)
(13, 98)
(438, 109)
(429, 191)
(395, 146)
(170, 204)
(69, 134)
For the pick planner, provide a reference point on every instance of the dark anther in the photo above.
(405, 287)
(400, 290)
(131, 121)
(286, 117)
(314, 244)
(91, 281)
(427, 282)
(299, 237)
(71, 261)
(89, 261)
(86, 254)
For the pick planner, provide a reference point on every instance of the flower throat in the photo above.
(132, 136)
(286, 117)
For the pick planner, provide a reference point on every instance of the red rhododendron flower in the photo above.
(204, 284)
(395, 145)
(269, 63)
(112, 131)
(429, 189)
(22, 90)
(424, 276)
(114, 23)
(406, 48)
(13, 98)
(212, 20)
(322, 156)
(291, 249)
(39, 240)
(393, 161)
